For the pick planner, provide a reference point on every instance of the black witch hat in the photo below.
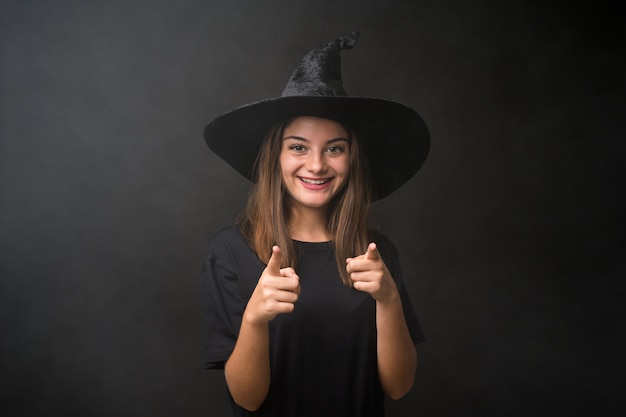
(394, 137)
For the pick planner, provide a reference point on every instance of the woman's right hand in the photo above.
(247, 370)
(275, 293)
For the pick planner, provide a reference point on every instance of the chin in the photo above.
(313, 204)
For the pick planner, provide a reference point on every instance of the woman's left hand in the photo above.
(369, 274)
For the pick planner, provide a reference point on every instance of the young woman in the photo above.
(305, 308)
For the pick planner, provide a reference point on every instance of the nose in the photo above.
(316, 163)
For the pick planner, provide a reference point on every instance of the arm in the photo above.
(397, 358)
(247, 370)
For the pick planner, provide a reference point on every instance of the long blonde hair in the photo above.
(264, 220)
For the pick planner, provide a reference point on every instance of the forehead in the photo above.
(314, 128)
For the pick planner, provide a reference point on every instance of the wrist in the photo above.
(391, 298)
(253, 320)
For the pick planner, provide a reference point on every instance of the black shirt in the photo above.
(323, 354)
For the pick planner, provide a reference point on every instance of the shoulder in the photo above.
(227, 235)
(229, 260)
(226, 245)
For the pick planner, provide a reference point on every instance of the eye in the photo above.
(336, 149)
(297, 148)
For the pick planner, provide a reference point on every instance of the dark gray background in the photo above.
(512, 235)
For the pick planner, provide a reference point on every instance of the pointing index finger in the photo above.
(273, 265)
(372, 252)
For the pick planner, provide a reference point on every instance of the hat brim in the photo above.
(395, 138)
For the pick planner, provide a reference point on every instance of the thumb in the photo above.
(273, 265)
(372, 252)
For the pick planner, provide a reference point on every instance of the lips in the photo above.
(312, 181)
(315, 183)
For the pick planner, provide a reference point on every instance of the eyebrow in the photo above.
(300, 138)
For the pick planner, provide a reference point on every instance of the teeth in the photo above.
(314, 182)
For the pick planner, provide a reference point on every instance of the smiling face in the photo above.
(314, 161)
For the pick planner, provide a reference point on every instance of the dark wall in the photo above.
(512, 234)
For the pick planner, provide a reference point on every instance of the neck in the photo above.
(308, 225)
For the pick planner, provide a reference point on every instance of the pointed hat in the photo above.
(394, 137)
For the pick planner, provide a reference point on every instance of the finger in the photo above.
(286, 296)
(358, 264)
(282, 307)
(372, 252)
(283, 283)
(354, 265)
(273, 265)
(288, 272)
(363, 276)
(361, 286)
(290, 284)
(355, 258)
